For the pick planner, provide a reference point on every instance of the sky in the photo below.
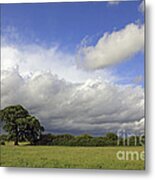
(78, 67)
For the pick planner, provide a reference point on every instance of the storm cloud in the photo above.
(91, 106)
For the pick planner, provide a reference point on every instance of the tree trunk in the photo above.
(16, 141)
(16, 138)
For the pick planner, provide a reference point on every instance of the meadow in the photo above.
(68, 157)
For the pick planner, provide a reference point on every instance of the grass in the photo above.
(68, 157)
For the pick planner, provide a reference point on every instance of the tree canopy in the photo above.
(20, 125)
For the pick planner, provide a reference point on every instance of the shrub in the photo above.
(2, 142)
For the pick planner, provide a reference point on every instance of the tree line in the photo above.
(110, 139)
(23, 127)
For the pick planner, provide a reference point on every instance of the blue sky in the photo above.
(67, 24)
(79, 67)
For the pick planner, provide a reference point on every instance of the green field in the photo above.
(68, 157)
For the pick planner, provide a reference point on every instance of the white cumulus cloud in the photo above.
(92, 106)
(114, 2)
(34, 58)
(42, 80)
(112, 48)
(141, 7)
